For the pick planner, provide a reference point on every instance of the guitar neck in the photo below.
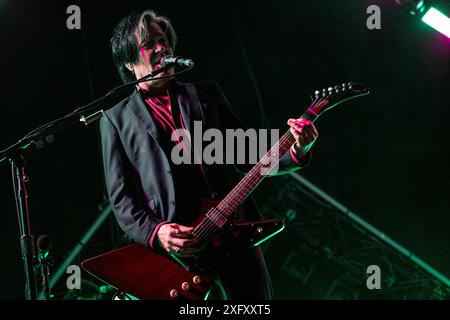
(251, 180)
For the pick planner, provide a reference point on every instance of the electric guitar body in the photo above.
(154, 274)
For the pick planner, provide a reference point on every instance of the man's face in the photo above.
(150, 54)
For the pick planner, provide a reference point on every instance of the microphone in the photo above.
(177, 60)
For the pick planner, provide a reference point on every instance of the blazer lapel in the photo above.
(186, 110)
(138, 109)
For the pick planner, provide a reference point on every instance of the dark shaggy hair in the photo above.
(123, 41)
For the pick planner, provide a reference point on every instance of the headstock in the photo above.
(328, 98)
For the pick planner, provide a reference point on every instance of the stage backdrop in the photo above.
(384, 156)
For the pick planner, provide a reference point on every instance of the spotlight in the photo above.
(414, 7)
(437, 20)
(427, 12)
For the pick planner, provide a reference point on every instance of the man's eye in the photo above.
(148, 45)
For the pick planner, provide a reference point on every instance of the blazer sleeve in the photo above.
(134, 217)
(287, 163)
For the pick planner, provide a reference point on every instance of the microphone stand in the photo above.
(17, 156)
(45, 276)
(45, 261)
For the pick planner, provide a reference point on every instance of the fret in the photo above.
(246, 186)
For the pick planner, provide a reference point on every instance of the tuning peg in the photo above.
(315, 96)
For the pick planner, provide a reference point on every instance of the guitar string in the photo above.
(207, 227)
(235, 201)
(235, 197)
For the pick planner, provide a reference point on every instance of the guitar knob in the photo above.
(174, 293)
(185, 286)
(260, 229)
(197, 280)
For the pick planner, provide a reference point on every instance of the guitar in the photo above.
(147, 273)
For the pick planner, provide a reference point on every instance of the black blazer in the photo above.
(137, 171)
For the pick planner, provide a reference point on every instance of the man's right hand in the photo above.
(178, 239)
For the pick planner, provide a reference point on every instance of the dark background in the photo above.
(383, 156)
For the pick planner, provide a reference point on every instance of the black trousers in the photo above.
(243, 276)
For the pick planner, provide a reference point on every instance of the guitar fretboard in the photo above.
(263, 168)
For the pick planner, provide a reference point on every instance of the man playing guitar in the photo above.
(154, 200)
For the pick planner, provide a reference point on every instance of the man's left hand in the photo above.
(305, 134)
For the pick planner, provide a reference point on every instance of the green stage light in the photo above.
(421, 6)
(437, 20)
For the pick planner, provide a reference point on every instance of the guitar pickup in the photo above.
(215, 216)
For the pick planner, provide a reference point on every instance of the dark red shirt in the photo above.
(188, 182)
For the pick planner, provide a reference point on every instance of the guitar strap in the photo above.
(198, 113)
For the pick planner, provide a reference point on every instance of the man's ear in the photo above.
(129, 66)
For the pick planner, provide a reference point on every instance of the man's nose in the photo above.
(160, 48)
